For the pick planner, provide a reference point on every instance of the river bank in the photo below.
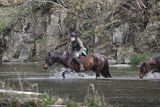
(13, 98)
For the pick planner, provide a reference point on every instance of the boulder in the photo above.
(14, 43)
(56, 26)
(119, 34)
(45, 45)
(25, 52)
(124, 53)
(59, 101)
(149, 40)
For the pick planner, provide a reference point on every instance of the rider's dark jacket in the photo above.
(77, 45)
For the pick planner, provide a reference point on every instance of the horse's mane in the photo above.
(57, 53)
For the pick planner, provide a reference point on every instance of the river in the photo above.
(125, 89)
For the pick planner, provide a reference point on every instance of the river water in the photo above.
(125, 89)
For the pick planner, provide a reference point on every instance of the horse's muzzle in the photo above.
(141, 76)
(45, 66)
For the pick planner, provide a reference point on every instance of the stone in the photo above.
(13, 43)
(119, 34)
(27, 38)
(98, 30)
(59, 101)
(25, 52)
(56, 26)
(149, 40)
(45, 45)
(112, 61)
(124, 53)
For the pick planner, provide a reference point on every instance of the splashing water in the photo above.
(57, 74)
(153, 75)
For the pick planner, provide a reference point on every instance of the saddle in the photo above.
(157, 59)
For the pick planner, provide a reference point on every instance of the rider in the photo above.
(77, 48)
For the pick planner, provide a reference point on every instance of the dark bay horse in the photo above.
(152, 64)
(95, 62)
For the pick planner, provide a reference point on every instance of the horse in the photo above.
(95, 62)
(151, 64)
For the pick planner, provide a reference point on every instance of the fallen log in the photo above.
(19, 92)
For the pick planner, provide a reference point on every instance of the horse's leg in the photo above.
(97, 74)
(109, 75)
(64, 72)
(105, 70)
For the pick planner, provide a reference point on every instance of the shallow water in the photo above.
(125, 89)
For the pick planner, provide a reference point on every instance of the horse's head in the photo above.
(143, 70)
(49, 60)
(54, 57)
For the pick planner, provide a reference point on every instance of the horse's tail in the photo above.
(105, 71)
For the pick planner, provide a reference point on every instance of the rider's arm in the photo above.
(81, 45)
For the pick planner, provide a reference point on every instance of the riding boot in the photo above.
(80, 64)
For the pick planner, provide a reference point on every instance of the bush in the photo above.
(136, 59)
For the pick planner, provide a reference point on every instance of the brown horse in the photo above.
(95, 62)
(152, 64)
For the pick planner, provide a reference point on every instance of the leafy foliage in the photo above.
(136, 59)
(7, 15)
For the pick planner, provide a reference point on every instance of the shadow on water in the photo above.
(125, 89)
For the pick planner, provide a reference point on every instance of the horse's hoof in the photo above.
(97, 77)
(63, 75)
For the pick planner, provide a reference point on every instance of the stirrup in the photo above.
(82, 67)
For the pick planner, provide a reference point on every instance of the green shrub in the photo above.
(136, 59)
(93, 102)
(71, 103)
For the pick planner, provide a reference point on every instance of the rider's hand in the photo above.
(76, 54)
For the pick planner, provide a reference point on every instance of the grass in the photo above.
(136, 59)
(46, 100)
(92, 99)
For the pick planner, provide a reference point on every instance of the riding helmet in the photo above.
(73, 34)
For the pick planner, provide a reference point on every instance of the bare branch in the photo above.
(142, 4)
(137, 1)
(48, 1)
